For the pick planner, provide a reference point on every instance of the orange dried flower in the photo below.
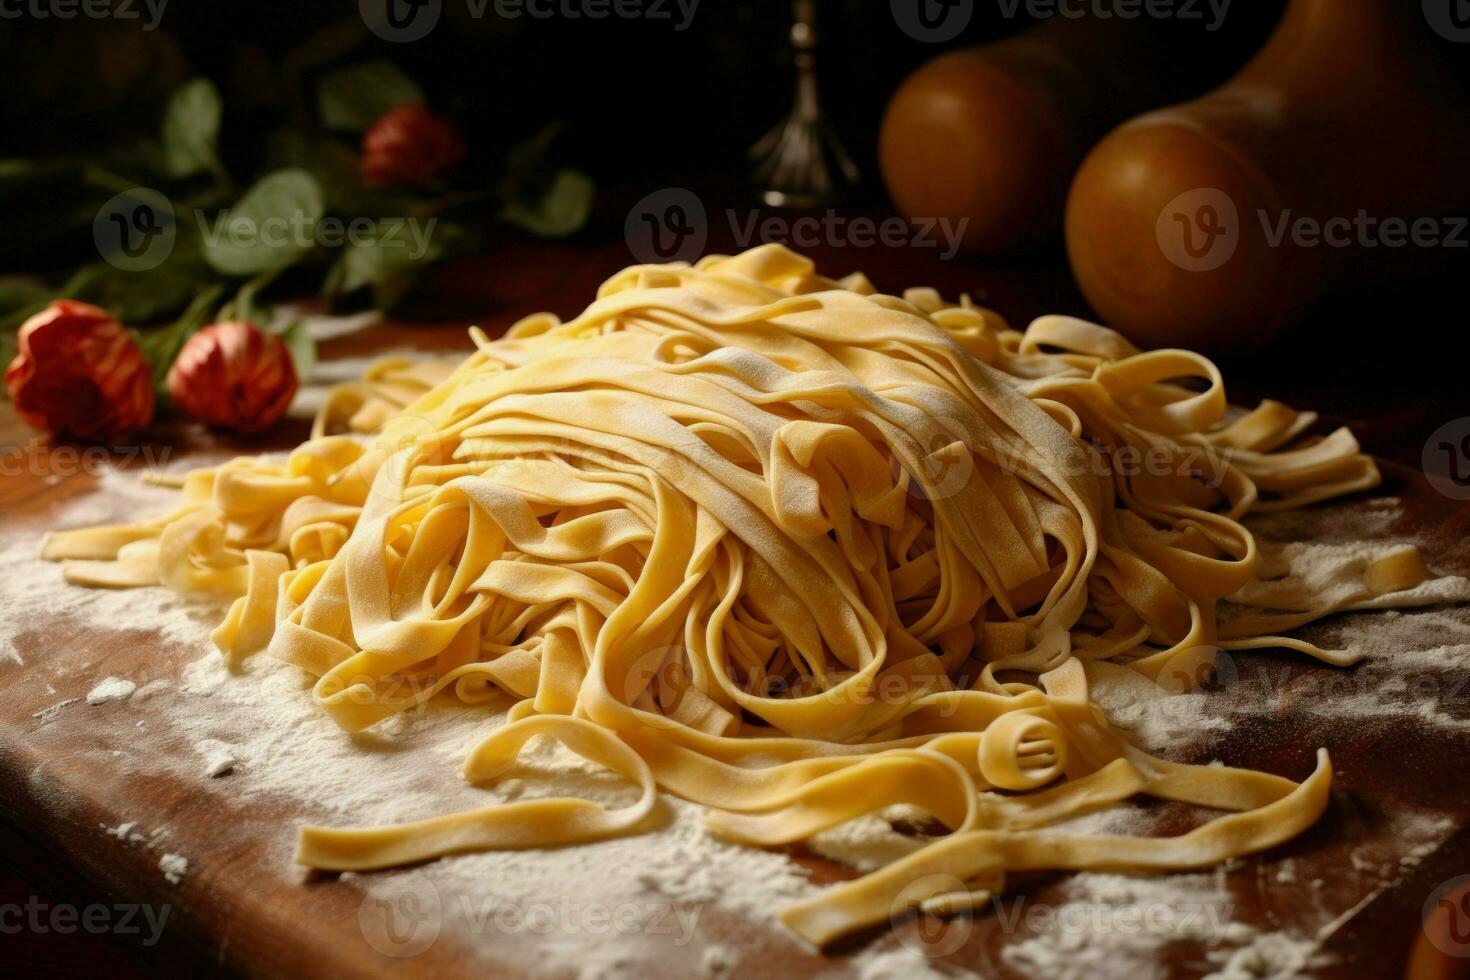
(409, 145)
(78, 372)
(233, 375)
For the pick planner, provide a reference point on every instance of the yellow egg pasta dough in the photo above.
(784, 546)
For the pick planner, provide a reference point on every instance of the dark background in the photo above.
(646, 106)
(643, 100)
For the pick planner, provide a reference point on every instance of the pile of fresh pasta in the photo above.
(786, 547)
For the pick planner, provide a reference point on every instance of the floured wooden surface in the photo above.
(123, 738)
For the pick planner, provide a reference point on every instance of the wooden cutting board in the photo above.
(68, 778)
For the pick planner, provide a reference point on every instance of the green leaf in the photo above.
(529, 157)
(191, 130)
(389, 250)
(141, 296)
(302, 346)
(353, 98)
(12, 322)
(244, 306)
(161, 346)
(560, 211)
(331, 161)
(273, 226)
(22, 292)
(390, 259)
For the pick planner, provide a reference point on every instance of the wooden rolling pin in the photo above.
(1217, 223)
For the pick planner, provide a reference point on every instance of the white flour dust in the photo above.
(112, 689)
(614, 908)
(174, 867)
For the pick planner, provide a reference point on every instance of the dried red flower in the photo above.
(233, 375)
(409, 145)
(78, 372)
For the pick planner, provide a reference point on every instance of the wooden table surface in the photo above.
(240, 911)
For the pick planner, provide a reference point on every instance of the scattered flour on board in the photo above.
(261, 727)
(174, 867)
(48, 714)
(112, 689)
(1412, 662)
(219, 758)
(1268, 956)
(1115, 925)
(125, 831)
(899, 963)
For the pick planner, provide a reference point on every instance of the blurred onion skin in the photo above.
(78, 372)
